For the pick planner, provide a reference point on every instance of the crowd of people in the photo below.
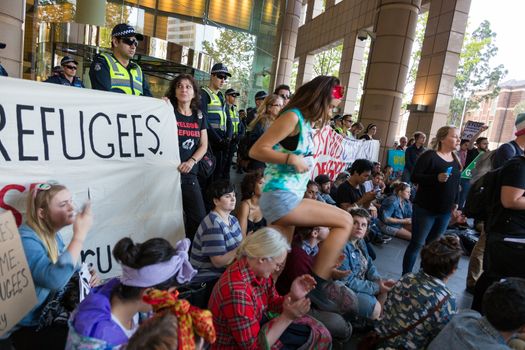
(291, 266)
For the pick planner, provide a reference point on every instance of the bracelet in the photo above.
(195, 160)
(287, 158)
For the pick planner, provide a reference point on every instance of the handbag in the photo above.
(372, 340)
(206, 165)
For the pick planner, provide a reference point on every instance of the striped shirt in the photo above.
(214, 237)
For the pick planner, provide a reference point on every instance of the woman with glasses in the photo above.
(395, 213)
(288, 146)
(50, 209)
(193, 144)
(248, 313)
(267, 112)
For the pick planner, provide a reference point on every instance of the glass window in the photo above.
(194, 8)
(237, 13)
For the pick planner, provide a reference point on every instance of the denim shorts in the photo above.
(277, 204)
(365, 304)
(387, 229)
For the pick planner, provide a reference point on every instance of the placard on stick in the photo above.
(471, 129)
(17, 291)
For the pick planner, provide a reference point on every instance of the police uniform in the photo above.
(237, 132)
(108, 74)
(62, 80)
(219, 130)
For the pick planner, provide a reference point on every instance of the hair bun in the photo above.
(126, 252)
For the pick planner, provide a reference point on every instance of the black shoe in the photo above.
(386, 238)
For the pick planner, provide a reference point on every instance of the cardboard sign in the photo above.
(471, 129)
(17, 291)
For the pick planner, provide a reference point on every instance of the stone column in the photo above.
(288, 40)
(12, 17)
(447, 21)
(350, 71)
(305, 70)
(387, 69)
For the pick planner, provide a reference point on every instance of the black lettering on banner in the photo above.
(45, 132)
(85, 253)
(121, 134)
(92, 140)
(153, 150)
(22, 132)
(63, 131)
(136, 135)
(2, 126)
(3, 322)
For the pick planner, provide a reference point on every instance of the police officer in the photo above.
(66, 76)
(220, 128)
(116, 72)
(237, 125)
(259, 98)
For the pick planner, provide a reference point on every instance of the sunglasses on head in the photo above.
(222, 76)
(130, 42)
(71, 67)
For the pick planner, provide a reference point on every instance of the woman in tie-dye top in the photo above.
(287, 148)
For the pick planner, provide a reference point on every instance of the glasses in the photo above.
(130, 42)
(222, 77)
(71, 67)
(285, 97)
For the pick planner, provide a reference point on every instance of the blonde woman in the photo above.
(267, 112)
(52, 264)
(437, 172)
(245, 294)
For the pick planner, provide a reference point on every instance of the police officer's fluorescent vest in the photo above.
(338, 130)
(234, 114)
(120, 76)
(216, 112)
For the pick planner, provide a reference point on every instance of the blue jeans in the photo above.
(427, 226)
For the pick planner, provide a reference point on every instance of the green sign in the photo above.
(467, 172)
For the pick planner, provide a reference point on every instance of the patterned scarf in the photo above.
(191, 319)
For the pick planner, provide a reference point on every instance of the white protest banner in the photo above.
(121, 149)
(17, 292)
(334, 153)
(471, 128)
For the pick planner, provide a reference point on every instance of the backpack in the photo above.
(483, 197)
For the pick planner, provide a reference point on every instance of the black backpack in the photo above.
(483, 197)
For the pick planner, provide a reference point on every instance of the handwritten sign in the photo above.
(471, 129)
(17, 291)
(396, 159)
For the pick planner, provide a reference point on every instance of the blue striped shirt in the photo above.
(214, 237)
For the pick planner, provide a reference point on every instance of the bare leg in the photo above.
(311, 213)
(404, 234)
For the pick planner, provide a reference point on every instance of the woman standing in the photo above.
(52, 264)
(288, 147)
(370, 131)
(267, 112)
(437, 174)
(250, 215)
(193, 144)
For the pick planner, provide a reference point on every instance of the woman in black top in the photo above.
(193, 143)
(250, 215)
(370, 131)
(436, 174)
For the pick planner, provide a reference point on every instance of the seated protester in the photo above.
(389, 180)
(376, 184)
(52, 263)
(352, 191)
(363, 278)
(250, 215)
(504, 307)
(175, 325)
(244, 301)
(300, 261)
(395, 214)
(324, 189)
(109, 315)
(339, 179)
(312, 190)
(217, 238)
(420, 305)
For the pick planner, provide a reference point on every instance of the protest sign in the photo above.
(396, 159)
(334, 152)
(467, 172)
(17, 291)
(471, 128)
(121, 149)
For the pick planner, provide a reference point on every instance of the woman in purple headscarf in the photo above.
(110, 313)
